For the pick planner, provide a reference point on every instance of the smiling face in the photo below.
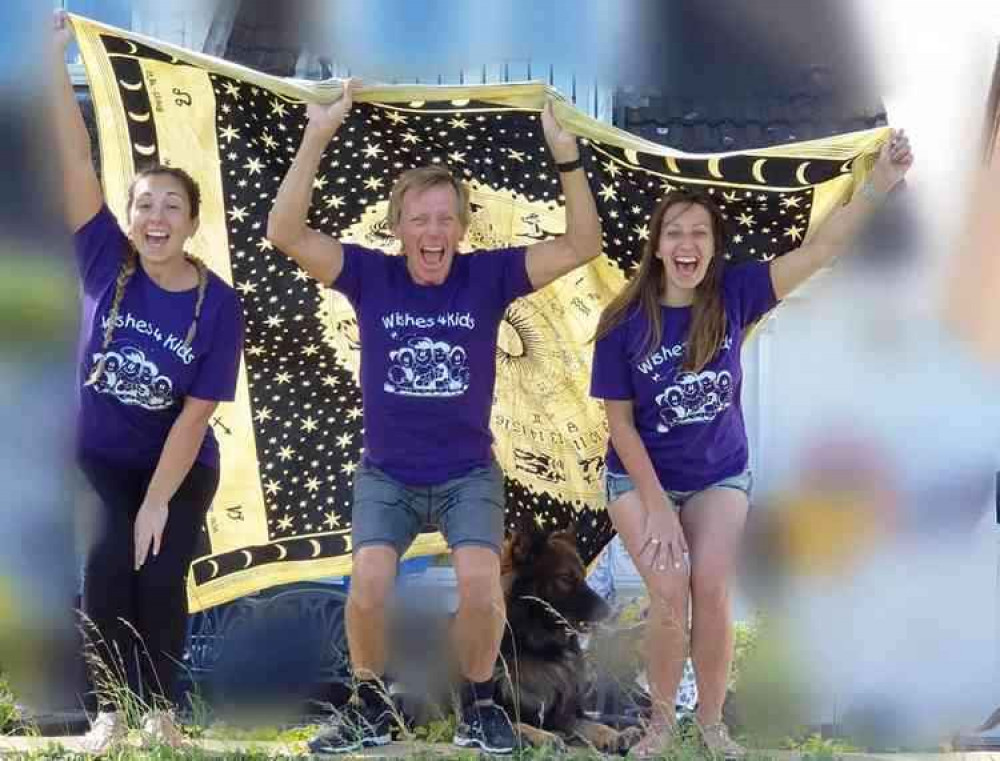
(686, 248)
(430, 230)
(160, 218)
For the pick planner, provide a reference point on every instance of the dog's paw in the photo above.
(628, 738)
(539, 738)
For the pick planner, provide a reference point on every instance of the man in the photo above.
(428, 322)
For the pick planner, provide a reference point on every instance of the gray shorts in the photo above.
(616, 484)
(468, 510)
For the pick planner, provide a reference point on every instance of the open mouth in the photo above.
(686, 265)
(432, 256)
(156, 240)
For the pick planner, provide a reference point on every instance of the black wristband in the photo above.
(570, 166)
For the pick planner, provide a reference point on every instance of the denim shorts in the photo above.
(616, 484)
(468, 510)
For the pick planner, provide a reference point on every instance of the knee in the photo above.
(479, 589)
(668, 595)
(163, 581)
(370, 588)
(710, 587)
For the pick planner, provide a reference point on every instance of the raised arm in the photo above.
(840, 229)
(318, 254)
(581, 242)
(82, 196)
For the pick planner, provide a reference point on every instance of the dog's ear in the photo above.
(567, 534)
(521, 546)
(525, 544)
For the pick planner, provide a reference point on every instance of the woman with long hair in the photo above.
(667, 364)
(160, 346)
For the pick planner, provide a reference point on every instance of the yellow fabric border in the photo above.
(521, 95)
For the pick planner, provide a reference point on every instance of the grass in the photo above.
(8, 709)
(814, 747)
(431, 740)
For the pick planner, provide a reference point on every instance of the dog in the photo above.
(542, 674)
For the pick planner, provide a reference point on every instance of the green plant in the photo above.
(200, 713)
(222, 731)
(9, 719)
(814, 746)
(746, 637)
(439, 731)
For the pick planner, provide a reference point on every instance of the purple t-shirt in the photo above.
(428, 358)
(126, 415)
(690, 423)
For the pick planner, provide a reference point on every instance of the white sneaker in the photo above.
(160, 728)
(107, 731)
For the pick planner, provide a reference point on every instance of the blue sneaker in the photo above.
(357, 726)
(485, 727)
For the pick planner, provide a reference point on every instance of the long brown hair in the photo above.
(130, 262)
(645, 288)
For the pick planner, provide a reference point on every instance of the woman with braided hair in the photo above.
(161, 338)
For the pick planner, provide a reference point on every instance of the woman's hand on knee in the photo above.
(663, 547)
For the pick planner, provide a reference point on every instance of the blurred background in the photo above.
(37, 324)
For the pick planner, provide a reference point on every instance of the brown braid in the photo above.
(125, 272)
(202, 287)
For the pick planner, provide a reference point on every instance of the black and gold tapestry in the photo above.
(291, 440)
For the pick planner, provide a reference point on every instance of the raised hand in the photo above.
(561, 142)
(894, 161)
(328, 118)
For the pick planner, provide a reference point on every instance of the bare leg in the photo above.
(372, 581)
(713, 525)
(479, 623)
(666, 627)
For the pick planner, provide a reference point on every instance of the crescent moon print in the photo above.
(758, 171)
(141, 118)
(800, 173)
(132, 87)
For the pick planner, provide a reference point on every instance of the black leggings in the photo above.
(140, 617)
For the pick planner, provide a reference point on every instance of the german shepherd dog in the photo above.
(542, 672)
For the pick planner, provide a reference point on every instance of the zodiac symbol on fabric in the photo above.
(540, 465)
